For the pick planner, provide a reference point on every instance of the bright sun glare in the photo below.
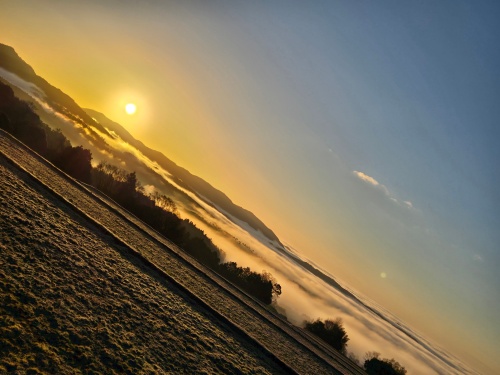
(130, 108)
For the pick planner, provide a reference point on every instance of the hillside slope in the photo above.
(75, 299)
(71, 242)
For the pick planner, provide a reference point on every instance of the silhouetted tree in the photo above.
(260, 285)
(276, 289)
(164, 202)
(330, 331)
(19, 119)
(56, 143)
(375, 366)
(76, 161)
(5, 123)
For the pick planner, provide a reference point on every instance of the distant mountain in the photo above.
(59, 101)
(10, 60)
(184, 178)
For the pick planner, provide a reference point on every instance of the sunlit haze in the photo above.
(364, 134)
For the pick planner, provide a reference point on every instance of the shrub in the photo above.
(330, 331)
(375, 366)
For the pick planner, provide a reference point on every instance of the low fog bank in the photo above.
(306, 297)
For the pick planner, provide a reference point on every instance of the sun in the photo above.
(130, 108)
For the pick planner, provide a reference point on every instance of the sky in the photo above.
(365, 134)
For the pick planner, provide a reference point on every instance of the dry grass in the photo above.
(73, 302)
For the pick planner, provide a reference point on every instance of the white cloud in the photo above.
(373, 182)
(366, 178)
(409, 204)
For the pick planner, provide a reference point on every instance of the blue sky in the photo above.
(364, 133)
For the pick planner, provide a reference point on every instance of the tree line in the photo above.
(332, 332)
(158, 211)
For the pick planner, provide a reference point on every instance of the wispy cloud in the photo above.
(367, 178)
(409, 204)
(373, 182)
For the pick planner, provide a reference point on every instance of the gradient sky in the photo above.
(365, 134)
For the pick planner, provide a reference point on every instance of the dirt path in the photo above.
(134, 273)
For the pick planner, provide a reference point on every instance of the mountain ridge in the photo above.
(12, 62)
(186, 179)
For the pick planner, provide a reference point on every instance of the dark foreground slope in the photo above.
(84, 286)
(74, 298)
